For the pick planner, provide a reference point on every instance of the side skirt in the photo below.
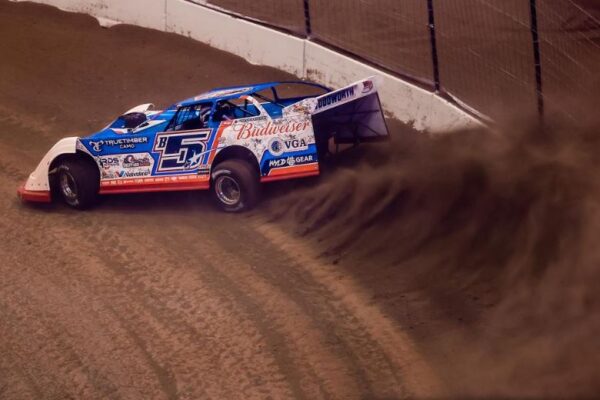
(160, 184)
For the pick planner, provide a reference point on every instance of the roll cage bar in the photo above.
(252, 90)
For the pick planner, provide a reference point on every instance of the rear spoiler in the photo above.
(352, 114)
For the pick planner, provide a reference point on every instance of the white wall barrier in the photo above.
(263, 46)
(255, 43)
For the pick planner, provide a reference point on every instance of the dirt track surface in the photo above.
(462, 265)
(161, 296)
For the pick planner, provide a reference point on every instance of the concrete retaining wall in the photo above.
(263, 46)
(257, 44)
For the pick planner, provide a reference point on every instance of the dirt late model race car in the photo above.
(229, 140)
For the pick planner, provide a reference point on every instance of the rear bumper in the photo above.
(38, 196)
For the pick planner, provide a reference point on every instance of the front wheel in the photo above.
(235, 186)
(78, 183)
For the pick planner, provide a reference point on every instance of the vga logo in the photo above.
(296, 144)
(278, 146)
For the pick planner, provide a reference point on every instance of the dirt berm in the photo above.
(463, 265)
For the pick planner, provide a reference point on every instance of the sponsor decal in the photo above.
(133, 174)
(296, 144)
(117, 166)
(180, 151)
(249, 130)
(109, 162)
(278, 146)
(305, 106)
(108, 174)
(249, 119)
(367, 86)
(131, 162)
(336, 97)
(291, 161)
(125, 143)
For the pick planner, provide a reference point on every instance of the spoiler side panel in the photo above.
(352, 114)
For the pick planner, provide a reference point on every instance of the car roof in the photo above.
(234, 92)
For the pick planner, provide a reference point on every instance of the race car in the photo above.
(229, 140)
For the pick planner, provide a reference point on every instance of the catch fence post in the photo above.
(536, 56)
(434, 54)
(307, 24)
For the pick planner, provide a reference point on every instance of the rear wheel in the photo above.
(235, 186)
(78, 183)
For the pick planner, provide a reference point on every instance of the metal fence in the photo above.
(491, 56)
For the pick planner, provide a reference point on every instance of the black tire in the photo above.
(235, 186)
(78, 183)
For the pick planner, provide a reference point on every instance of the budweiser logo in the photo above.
(249, 130)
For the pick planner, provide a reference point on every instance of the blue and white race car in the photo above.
(229, 140)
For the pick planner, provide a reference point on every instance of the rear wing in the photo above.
(351, 115)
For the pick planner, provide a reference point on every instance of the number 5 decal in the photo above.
(180, 151)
